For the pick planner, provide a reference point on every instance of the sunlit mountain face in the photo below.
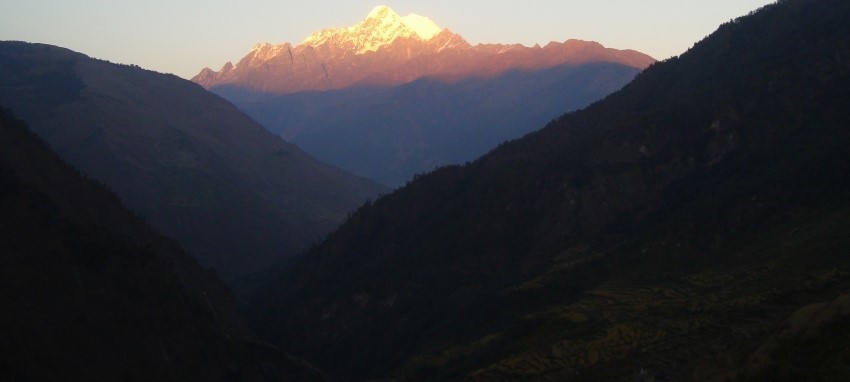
(393, 96)
(379, 29)
(387, 49)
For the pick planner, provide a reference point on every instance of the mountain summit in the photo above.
(386, 49)
(380, 28)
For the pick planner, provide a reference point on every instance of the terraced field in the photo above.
(696, 317)
(661, 326)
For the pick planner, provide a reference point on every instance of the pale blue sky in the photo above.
(184, 36)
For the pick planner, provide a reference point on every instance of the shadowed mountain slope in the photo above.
(90, 293)
(234, 195)
(391, 134)
(669, 231)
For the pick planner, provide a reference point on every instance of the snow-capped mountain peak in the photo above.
(382, 12)
(423, 26)
(380, 28)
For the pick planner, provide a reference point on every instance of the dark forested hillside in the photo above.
(692, 226)
(234, 195)
(89, 293)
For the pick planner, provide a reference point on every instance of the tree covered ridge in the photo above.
(90, 292)
(236, 196)
(670, 227)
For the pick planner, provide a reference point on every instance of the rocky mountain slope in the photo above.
(235, 196)
(692, 226)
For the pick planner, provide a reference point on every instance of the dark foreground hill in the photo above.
(234, 195)
(89, 293)
(693, 226)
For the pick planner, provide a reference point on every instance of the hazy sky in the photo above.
(184, 36)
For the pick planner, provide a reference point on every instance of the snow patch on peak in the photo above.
(265, 51)
(423, 26)
(260, 46)
(381, 12)
(380, 28)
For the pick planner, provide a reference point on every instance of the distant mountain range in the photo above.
(694, 225)
(90, 293)
(196, 168)
(385, 49)
(392, 96)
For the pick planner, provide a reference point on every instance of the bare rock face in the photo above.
(386, 49)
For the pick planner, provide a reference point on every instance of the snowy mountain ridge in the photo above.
(386, 49)
(380, 28)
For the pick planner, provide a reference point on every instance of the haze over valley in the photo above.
(385, 100)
